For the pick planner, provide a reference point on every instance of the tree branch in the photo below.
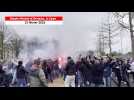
(114, 35)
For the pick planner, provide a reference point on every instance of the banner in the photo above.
(33, 20)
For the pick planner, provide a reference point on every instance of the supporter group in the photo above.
(88, 71)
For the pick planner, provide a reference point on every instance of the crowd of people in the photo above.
(89, 71)
(37, 73)
(98, 72)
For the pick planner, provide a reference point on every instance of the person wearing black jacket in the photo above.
(85, 69)
(70, 73)
(97, 73)
(49, 73)
(125, 67)
(21, 75)
(117, 71)
(2, 76)
(44, 67)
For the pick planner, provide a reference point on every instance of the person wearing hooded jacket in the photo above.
(21, 75)
(36, 76)
(70, 73)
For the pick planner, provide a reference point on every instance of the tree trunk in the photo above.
(131, 33)
(103, 46)
(2, 44)
(110, 49)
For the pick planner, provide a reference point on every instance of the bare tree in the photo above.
(125, 21)
(16, 45)
(101, 42)
(110, 30)
(3, 29)
(10, 42)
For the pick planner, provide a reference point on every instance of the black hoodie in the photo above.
(70, 68)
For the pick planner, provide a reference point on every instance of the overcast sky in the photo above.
(78, 31)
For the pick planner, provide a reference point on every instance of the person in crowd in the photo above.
(56, 68)
(85, 70)
(2, 76)
(6, 69)
(21, 75)
(36, 76)
(129, 69)
(90, 68)
(70, 73)
(28, 65)
(9, 74)
(107, 72)
(97, 73)
(44, 67)
(117, 71)
(132, 69)
(13, 71)
(49, 72)
(78, 78)
(125, 74)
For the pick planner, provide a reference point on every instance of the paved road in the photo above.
(60, 83)
(57, 83)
